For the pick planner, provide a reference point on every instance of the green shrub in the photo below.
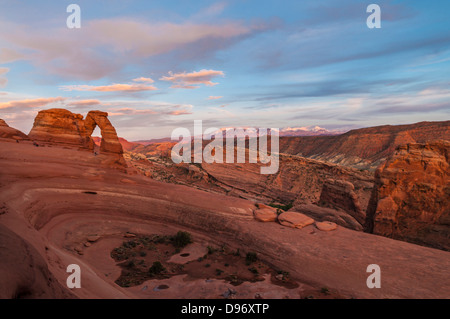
(250, 258)
(156, 268)
(182, 239)
(283, 207)
(253, 270)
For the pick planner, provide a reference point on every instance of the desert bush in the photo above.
(182, 239)
(156, 268)
(250, 258)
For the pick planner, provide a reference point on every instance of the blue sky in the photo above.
(158, 65)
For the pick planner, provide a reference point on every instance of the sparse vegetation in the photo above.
(283, 207)
(156, 268)
(182, 239)
(253, 270)
(325, 290)
(219, 272)
(250, 258)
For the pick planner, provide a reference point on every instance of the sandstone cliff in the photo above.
(411, 197)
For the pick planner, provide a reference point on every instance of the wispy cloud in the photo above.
(142, 79)
(110, 88)
(3, 79)
(215, 97)
(192, 80)
(180, 112)
(127, 41)
(29, 103)
(82, 103)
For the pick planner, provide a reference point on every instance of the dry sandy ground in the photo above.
(46, 217)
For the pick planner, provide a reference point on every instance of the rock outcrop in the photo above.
(340, 195)
(411, 197)
(11, 133)
(110, 142)
(62, 127)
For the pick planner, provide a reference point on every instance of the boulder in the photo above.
(294, 220)
(265, 215)
(323, 214)
(326, 226)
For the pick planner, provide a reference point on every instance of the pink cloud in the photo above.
(29, 103)
(3, 79)
(110, 88)
(180, 112)
(192, 80)
(142, 79)
(215, 97)
(7, 55)
(126, 41)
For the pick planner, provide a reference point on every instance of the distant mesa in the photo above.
(364, 148)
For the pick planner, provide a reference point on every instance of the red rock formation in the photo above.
(110, 142)
(411, 197)
(62, 127)
(341, 195)
(11, 133)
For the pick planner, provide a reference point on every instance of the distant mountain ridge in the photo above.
(364, 148)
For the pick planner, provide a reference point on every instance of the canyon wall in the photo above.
(411, 196)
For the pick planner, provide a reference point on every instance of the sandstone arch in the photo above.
(110, 142)
(62, 127)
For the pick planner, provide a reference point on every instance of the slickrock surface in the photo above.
(411, 199)
(54, 198)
